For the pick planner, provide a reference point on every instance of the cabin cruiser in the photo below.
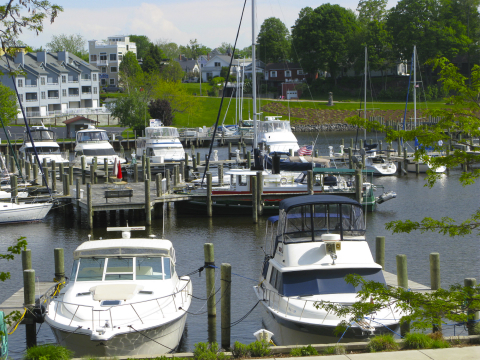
(380, 165)
(45, 141)
(276, 134)
(123, 298)
(93, 143)
(314, 242)
(160, 143)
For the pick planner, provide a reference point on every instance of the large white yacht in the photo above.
(317, 241)
(93, 143)
(160, 143)
(45, 141)
(276, 134)
(123, 298)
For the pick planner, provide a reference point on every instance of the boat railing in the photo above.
(281, 303)
(99, 315)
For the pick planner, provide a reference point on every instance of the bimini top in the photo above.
(123, 247)
(287, 204)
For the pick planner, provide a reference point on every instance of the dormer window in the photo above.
(273, 74)
(217, 64)
(288, 73)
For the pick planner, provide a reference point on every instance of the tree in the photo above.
(143, 43)
(131, 110)
(170, 49)
(161, 109)
(273, 41)
(129, 68)
(172, 71)
(74, 43)
(24, 14)
(153, 59)
(371, 10)
(323, 37)
(224, 47)
(8, 104)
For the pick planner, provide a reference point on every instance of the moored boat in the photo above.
(45, 141)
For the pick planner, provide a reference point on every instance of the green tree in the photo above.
(371, 10)
(129, 68)
(143, 44)
(245, 53)
(224, 47)
(170, 49)
(17, 15)
(131, 110)
(161, 109)
(8, 104)
(273, 41)
(172, 71)
(74, 43)
(323, 37)
(153, 60)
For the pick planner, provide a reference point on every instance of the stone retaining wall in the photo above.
(323, 127)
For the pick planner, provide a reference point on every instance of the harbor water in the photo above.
(239, 242)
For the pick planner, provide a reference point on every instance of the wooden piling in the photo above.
(226, 289)
(27, 170)
(209, 194)
(77, 195)
(194, 163)
(310, 181)
(249, 159)
(358, 185)
(198, 159)
(54, 176)
(61, 170)
(181, 172)
(175, 175)
(14, 186)
(26, 259)
(135, 172)
(35, 173)
(45, 173)
(229, 151)
(210, 278)
(66, 185)
(59, 265)
(158, 184)
(350, 158)
(84, 171)
(149, 168)
(105, 169)
(253, 184)
(29, 303)
(92, 174)
(260, 192)
(402, 273)
(148, 210)
(167, 178)
(417, 168)
(220, 174)
(434, 271)
(89, 206)
(473, 316)
(186, 169)
(380, 251)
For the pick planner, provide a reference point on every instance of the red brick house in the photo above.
(285, 77)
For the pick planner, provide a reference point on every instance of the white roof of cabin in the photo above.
(126, 243)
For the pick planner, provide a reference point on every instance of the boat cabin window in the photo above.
(123, 268)
(276, 279)
(98, 152)
(161, 132)
(92, 136)
(318, 282)
(43, 150)
(40, 135)
(266, 126)
(309, 222)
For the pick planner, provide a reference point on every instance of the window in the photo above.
(113, 57)
(300, 72)
(217, 64)
(273, 74)
(113, 69)
(21, 97)
(20, 83)
(127, 47)
(103, 56)
(64, 78)
(103, 69)
(119, 269)
(42, 80)
(103, 82)
(273, 276)
(94, 77)
(43, 95)
(112, 82)
(94, 90)
(120, 57)
(91, 269)
(93, 57)
(64, 92)
(288, 73)
(151, 268)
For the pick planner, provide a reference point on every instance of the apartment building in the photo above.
(51, 83)
(107, 56)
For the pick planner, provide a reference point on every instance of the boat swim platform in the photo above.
(15, 302)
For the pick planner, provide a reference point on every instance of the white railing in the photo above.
(73, 95)
(31, 85)
(86, 92)
(102, 62)
(54, 97)
(73, 81)
(31, 100)
(54, 83)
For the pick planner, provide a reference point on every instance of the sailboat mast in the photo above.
(254, 79)
(415, 86)
(365, 96)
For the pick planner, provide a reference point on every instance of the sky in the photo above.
(210, 22)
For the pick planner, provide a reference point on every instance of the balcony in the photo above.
(73, 95)
(31, 85)
(102, 62)
(31, 100)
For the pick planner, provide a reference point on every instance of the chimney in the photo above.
(42, 56)
(180, 57)
(20, 56)
(63, 56)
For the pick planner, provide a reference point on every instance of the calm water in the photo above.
(237, 241)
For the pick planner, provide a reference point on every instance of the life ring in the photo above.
(283, 180)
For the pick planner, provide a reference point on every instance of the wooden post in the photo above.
(310, 181)
(350, 158)
(249, 159)
(260, 192)
(210, 278)
(54, 175)
(27, 170)
(70, 174)
(144, 163)
(45, 172)
(253, 184)
(358, 185)
(209, 194)
(14, 186)
(29, 303)
(417, 168)
(229, 151)
(434, 271)
(226, 289)
(62, 170)
(148, 211)
(89, 206)
(77, 189)
(26, 259)
(186, 169)
(380, 251)
(220, 174)
(92, 174)
(66, 185)
(472, 315)
(194, 163)
(135, 172)
(158, 184)
(167, 177)
(402, 273)
(175, 175)
(181, 172)
(198, 159)
(399, 145)
(12, 164)
(59, 265)
(35, 173)
(84, 167)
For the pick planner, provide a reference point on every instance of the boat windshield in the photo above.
(161, 132)
(122, 268)
(267, 126)
(319, 282)
(40, 135)
(92, 136)
(96, 152)
(309, 222)
(43, 150)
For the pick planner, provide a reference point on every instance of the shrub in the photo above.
(240, 350)
(334, 350)
(49, 352)
(206, 351)
(304, 351)
(259, 348)
(417, 341)
(382, 343)
(440, 344)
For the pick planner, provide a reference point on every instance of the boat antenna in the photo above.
(27, 127)
(223, 96)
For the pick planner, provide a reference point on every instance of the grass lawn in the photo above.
(194, 88)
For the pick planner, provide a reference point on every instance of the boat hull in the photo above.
(13, 213)
(157, 340)
(423, 168)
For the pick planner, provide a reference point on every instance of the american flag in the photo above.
(305, 150)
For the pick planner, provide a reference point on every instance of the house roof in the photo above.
(187, 65)
(78, 118)
(283, 66)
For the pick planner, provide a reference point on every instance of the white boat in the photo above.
(45, 141)
(123, 298)
(14, 213)
(379, 164)
(317, 241)
(423, 166)
(93, 143)
(276, 134)
(160, 143)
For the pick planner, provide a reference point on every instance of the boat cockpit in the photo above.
(92, 135)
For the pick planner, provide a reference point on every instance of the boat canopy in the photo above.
(92, 135)
(341, 171)
(274, 125)
(161, 132)
(287, 204)
(40, 134)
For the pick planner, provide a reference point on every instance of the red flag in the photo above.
(119, 175)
